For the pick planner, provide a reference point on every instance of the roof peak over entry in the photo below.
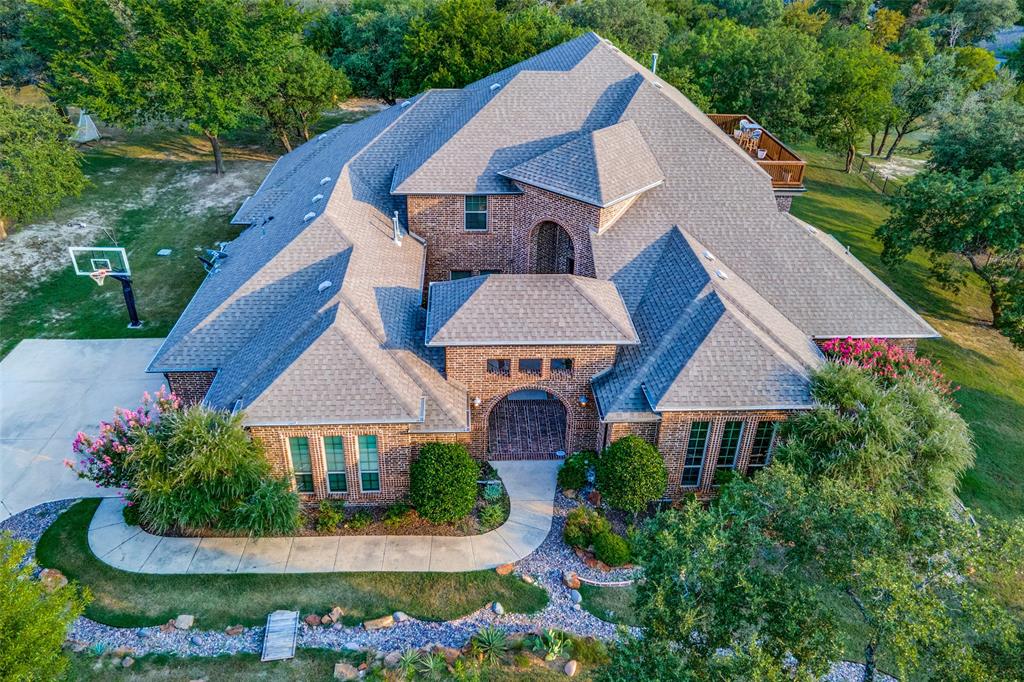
(602, 167)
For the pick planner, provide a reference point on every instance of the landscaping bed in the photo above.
(131, 599)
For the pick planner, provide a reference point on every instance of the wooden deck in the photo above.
(780, 162)
(279, 638)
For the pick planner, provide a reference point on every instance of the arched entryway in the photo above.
(527, 423)
(553, 250)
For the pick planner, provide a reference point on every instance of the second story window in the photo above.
(476, 214)
(563, 365)
(460, 274)
(499, 367)
(531, 366)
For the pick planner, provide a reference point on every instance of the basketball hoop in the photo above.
(99, 275)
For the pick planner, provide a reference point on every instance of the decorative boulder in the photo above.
(326, 619)
(528, 579)
(336, 613)
(571, 580)
(379, 623)
(594, 498)
(575, 596)
(312, 620)
(505, 569)
(52, 579)
(234, 630)
(127, 662)
(498, 608)
(392, 660)
(400, 616)
(570, 493)
(184, 621)
(570, 668)
(345, 671)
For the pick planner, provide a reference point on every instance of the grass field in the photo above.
(133, 600)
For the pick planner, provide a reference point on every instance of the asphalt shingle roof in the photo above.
(319, 320)
(527, 310)
(602, 167)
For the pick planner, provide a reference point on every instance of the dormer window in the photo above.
(476, 214)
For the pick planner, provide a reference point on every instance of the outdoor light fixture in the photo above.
(476, 402)
(582, 400)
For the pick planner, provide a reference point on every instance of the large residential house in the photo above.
(555, 256)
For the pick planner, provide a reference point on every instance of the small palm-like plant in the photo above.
(433, 667)
(409, 663)
(490, 644)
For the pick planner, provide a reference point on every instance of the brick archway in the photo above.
(523, 425)
(552, 249)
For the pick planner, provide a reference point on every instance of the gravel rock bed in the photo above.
(563, 555)
(544, 566)
(31, 523)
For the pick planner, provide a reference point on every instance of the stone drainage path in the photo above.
(531, 490)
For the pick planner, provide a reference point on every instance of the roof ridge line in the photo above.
(590, 299)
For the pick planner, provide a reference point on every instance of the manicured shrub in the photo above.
(131, 514)
(359, 520)
(573, 474)
(330, 515)
(631, 474)
(442, 482)
(612, 549)
(491, 516)
(582, 525)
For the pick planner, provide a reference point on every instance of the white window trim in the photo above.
(739, 444)
(359, 465)
(466, 212)
(703, 454)
(328, 471)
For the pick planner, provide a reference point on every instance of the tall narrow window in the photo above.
(728, 451)
(302, 465)
(693, 462)
(476, 213)
(761, 452)
(334, 452)
(369, 464)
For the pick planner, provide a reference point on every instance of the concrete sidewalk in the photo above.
(50, 389)
(531, 490)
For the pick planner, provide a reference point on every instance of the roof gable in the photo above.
(602, 167)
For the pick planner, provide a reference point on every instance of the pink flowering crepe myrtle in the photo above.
(101, 457)
(887, 360)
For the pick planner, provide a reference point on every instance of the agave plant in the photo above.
(409, 663)
(490, 644)
(433, 667)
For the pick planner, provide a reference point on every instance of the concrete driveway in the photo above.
(49, 390)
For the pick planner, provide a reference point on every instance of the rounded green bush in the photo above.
(631, 474)
(442, 482)
(612, 549)
(582, 525)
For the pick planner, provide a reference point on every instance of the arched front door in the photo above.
(553, 251)
(528, 423)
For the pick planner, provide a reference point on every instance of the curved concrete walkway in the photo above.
(531, 490)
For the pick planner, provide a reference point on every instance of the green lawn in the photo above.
(612, 604)
(975, 356)
(131, 599)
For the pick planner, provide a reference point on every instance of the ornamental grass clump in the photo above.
(442, 482)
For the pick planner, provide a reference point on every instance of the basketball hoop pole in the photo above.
(129, 300)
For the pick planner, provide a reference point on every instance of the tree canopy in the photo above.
(39, 166)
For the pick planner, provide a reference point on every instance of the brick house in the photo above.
(548, 259)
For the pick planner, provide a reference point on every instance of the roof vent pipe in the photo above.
(397, 227)
(654, 62)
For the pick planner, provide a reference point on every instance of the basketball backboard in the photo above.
(89, 259)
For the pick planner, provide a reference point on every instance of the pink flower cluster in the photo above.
(886, 360)
(102, 457)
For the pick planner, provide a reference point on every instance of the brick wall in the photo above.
(509, 244)
(191, 387)
(670, 436)
(396, 447)
(467, 365)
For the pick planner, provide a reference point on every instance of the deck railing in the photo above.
(780, 162)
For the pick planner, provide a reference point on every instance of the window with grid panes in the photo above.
(476, 214)
(302, 465)
(729, 450)
(693, 462)
(369, 464)
(761, 452)
(334, 453)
